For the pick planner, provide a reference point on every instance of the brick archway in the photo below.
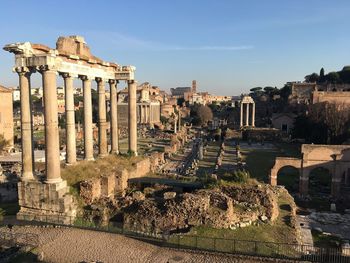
(335, 158)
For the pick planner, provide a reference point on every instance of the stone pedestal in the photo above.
(46, 202)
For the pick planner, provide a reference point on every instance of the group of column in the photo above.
(248, 121)
(52, 149)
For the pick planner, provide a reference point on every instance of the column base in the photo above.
(27, 176)
(70, 164)
(89, 159)
(54, 181)
(114, 152)
(46, 202)
(102, 155)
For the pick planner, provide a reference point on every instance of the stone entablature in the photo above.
(68, 57)
(335, 158)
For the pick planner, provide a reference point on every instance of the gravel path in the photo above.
(75, 245)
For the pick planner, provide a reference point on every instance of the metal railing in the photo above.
(222, 245)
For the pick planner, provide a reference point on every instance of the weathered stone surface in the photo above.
(116, 182)
(215, 208)
(169, 195)
(45, 201)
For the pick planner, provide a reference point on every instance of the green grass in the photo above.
(85, 170)
(260, 161)
(322, 240)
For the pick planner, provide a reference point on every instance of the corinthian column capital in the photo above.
(23, 70)
(43, 68)
(66, 75)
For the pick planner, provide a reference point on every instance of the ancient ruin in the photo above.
(249, 119)
(335, 158)
(71, 59)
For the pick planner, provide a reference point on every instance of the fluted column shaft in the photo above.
(253, 115)
(52, 151)
(102, 124)
(247, 115)
(26, 124)
(132, 117)
(114, 117)
(71, 154)
(241, 119)
(88, 132)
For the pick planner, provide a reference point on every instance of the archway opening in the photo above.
(320, 182)
(288, 176)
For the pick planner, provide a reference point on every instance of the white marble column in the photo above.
(102, 123)
(247, 115)
(88, 132)
(71, 154)
(114, 116)
(132, 117)
(26, 124)
(241, 120)
(52, 149)
(253, 115)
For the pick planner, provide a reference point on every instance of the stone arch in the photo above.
(289, 177)
(281, 162)
(320, 180)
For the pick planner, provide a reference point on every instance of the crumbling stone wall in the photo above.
(219, 208)
(114, 183)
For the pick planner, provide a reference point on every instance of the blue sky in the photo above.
(227, 46)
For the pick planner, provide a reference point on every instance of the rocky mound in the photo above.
(218, 208)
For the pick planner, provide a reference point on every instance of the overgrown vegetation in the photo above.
(325, 123)
(86, 170)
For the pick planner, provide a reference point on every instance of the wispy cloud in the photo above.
(214, 48)
(122, 41)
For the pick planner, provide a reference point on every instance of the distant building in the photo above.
(194, 86)
(16, 94)
(148, 106)
(6, 114)
(283, 121)
(179, 92)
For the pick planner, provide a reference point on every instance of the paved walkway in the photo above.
(305, 230)
(66, 245)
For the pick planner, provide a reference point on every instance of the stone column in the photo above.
(114, 116)
(52, 151)
(142, 115)
(247, 115)
(241, 120)
(175, 123)
(88, 132)
(179, 120)
(71, 154)
(132, 123)
(26, 124)
(102, 124)
(253, 115)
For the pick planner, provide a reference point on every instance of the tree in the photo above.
(256, 89)
(201, 114)
(336, 118)
(321, 78)
(312, 77)
(333, 77)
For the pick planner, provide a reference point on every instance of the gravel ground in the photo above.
(75, 245)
